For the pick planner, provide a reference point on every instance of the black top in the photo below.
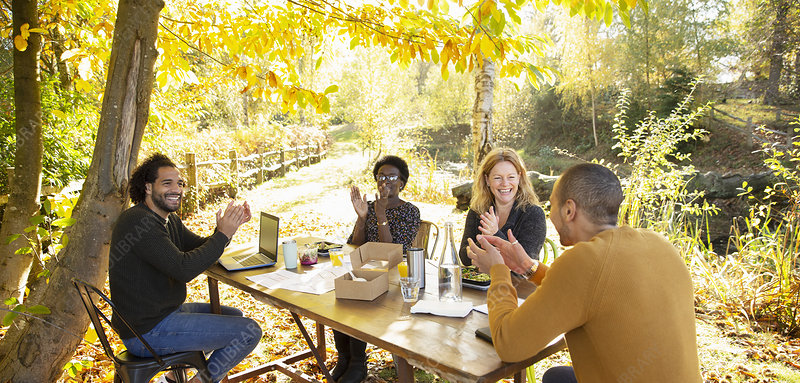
(403, 224)
(150, 262)
(529, 227)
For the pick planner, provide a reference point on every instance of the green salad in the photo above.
(472, 273)
(325, 246)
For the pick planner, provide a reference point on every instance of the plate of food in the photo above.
(324, 246)
(470, 276)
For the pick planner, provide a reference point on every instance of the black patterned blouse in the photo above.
(403, 224)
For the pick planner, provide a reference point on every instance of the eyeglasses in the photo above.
(387, 178)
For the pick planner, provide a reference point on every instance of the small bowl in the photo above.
(308, 256)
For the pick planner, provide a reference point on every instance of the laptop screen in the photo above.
(268, 236)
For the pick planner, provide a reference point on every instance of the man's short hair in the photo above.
(595, 189)
(145, 173)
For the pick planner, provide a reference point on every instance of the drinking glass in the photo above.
(336, 256)
(410, 289)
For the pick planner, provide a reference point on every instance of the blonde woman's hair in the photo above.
(482, 197)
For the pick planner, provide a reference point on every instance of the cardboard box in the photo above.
(370, 261)
(346, 288)
(377, 256)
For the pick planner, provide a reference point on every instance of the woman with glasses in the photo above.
(503, 199)
(387, 219)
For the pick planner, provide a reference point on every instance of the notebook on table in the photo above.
(234, 259)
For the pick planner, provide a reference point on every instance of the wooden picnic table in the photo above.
(443, 346)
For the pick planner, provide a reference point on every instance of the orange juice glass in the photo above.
(336, 256)
(402, 268)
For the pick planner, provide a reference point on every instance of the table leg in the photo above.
(310, 343)
(323, 352)
(213, 295)
(405, 373)
(519, 377)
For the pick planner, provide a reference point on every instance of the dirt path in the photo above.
(315, 200)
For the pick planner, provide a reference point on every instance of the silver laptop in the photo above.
(246, 258)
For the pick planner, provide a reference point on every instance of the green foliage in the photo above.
(655, 194)
(46, 230)
(18, 308)
(427, 183)
(769, 247)
(76, 366)
(69, 128)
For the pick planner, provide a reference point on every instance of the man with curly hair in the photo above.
(152, 257)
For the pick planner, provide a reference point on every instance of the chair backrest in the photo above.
(87, 294)
(422, 240)
(553, 249)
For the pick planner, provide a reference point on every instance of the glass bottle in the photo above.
(449, 268)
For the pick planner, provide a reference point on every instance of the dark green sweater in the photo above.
(150, 262)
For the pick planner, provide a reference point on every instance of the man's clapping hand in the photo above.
(233, 217)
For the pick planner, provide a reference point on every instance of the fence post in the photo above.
(283, 163)
(234, 173)
(319, 151)
(10, 173)
(192, 204)
(260, 164)
(750, 129)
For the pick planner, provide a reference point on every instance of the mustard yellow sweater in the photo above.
(624, 301)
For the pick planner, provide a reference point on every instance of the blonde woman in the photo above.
(503, 199)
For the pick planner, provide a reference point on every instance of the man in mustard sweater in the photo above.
(622, 296)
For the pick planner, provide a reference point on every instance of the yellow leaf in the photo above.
(23, 30)
(487, 46)
(273, 81)
(91, 335)
(37, 30)
(474, 44)
(59, 114)
(20, 43)
(82, 85)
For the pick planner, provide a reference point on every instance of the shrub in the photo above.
(766, 265)
(655, 192)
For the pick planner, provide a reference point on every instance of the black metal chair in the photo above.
(128, 367)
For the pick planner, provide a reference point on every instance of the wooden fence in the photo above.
(260, 166)
(750, 129)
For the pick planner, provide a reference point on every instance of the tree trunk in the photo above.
(482, 138)
(33, 351)
(594, 117)
(23, 201)
(647, 50)
(797, 72)
(779, 36)
(64, 78)
(590, 66)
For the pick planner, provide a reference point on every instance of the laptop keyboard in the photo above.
(249, 260)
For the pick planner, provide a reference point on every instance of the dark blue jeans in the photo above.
(229, 336)
(560, 374)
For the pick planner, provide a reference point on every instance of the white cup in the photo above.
(290, 254)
